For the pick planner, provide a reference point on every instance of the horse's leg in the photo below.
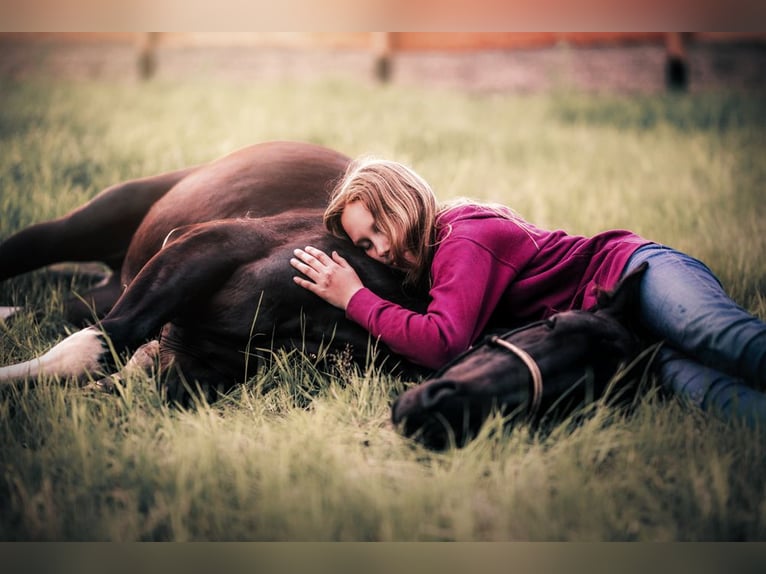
(192, 266)
(172, 369)
(100, 230)
(80, 309)
(94, 303)
(143, 361)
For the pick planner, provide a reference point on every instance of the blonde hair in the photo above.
(402, 203)
(404, 208)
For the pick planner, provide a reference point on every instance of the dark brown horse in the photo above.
(201, 256)
(125, 225)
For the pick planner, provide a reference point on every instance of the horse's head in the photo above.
(547, 366)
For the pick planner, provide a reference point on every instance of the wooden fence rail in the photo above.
(384, 47)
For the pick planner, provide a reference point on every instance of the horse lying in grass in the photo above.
(126, 224)
(200, 259)
(544, 369)
(201, 272)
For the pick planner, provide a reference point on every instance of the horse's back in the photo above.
(259, 180)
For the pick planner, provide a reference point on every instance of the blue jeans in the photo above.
(714, 351)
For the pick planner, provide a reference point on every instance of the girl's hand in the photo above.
(333, 279)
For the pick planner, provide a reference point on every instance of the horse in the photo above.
(544, 369)
(125, 225)
(200, 259)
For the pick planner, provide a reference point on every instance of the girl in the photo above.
(486, 267)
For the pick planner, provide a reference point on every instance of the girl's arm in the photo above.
(467, 284)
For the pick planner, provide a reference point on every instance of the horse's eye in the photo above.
(551, 323)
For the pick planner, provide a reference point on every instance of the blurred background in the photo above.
(620, 62)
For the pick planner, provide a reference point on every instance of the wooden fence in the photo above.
(384, 46)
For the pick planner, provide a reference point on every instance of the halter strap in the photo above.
(534, 370)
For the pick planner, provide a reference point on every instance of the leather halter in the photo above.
(534, 370)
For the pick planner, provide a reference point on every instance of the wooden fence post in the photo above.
(147, 54)
(381, 47)
(676, 66)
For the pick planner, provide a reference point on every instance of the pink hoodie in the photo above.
(487, 270)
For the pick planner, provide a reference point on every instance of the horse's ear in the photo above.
(622, 302)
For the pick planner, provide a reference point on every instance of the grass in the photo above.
(299, 454)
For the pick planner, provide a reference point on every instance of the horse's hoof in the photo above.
(105, 385)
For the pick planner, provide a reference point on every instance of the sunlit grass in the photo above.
(299, 453)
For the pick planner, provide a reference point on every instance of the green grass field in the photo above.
(296, 454)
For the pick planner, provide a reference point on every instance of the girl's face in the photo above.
(361, 227)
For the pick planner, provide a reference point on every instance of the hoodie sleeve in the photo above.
(469, 278)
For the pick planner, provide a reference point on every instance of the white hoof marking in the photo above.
(75, 356)
(6, 312)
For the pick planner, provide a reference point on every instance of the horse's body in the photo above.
(126, 224)
(203, 255)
